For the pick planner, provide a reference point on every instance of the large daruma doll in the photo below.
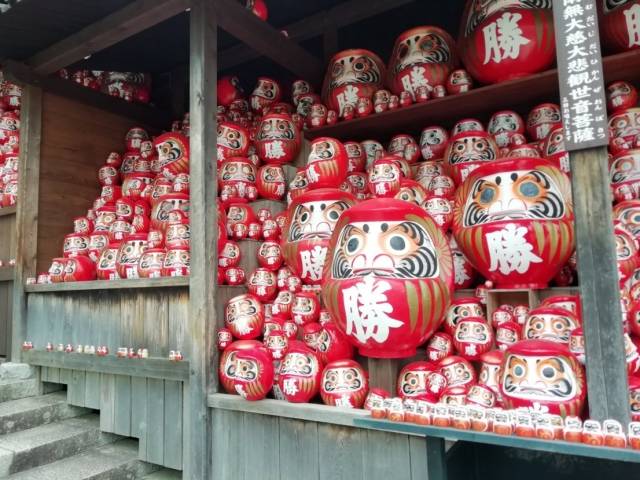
(352, 74)
(422, 56)
(277, 139)
(311, 218)
(388, 280)
(513, 219)
(619, 22)
(503, 40)
(545, 374)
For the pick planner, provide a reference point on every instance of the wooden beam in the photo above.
(27, 212)
(199, 347)
(147, 115)
(126, 22)
(123, 284)
(596, 248)
(346, 13)
(266, 40)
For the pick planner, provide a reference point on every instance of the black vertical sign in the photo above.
(582, 92)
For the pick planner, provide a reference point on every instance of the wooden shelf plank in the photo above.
(520, 94)
(6, 274)
(161, 368)
(280, 408)
(148, 115)
(7, 211)
(165, 282)
(561, 447)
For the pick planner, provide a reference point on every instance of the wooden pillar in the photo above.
(598, 273)
(203, 213)
(436, 459)
(27, 211)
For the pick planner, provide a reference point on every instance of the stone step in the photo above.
(12, 389)
(32, 412)
(164, 474)
(46, 444)
(115, 461)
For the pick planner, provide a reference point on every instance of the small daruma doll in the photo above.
(344, 384)
(412, 381)
(327, 163)
(504, 40)
(352, 74)
(391, 252)
(246, 369)
(311, 218)
(543, 373)
(233, 141)
(513, 219)
(422, 56)
(244, 317)
(466, 152)
(240, 174)
(300, 373)
(473, 337)
(277, 139)
(173, 154)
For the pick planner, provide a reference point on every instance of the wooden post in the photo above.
(203, 212)
(27, 211)
(436, 459)
(600, 294)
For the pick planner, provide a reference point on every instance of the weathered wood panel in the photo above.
(115, 318)
(155, 421)
(7, 237)
(76, 140)
(6, 314)
(286, 449)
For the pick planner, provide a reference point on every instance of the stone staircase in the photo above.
(44, 438)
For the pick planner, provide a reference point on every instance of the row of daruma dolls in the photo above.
(139, 225)
(10, 100)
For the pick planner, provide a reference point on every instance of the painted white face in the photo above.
(505, 122)
(473, 332)
(625, 124)
(438, 205)
(625, 168)
(230, 137)
(418, 49)
(298, 364)
(400, 249)
(316, 220)
(430, 138)
(520, 194)
(467, 126)
(482, 9)
(539, 378)
(555, 328)
(352, 69)
(237, 171)
(322, 151)
(342, 380)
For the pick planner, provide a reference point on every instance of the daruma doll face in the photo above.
(513, 219)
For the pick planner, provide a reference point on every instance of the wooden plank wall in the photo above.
(7, 252)
(76, 140)
(149, 318)
(249, 446)
(144, 408)
(7, 237)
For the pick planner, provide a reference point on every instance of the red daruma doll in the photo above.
(277, 139)
(344, 384)
(513, 219)
(500, 41)
(389, 278)
(300, 373)
(246, 368)
(327, 163)
(311, 218)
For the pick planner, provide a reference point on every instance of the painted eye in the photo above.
(398, 244)
(333, 215)
(529, 189)
(548, 372)
(559, 326)
(360, 65)
(487, 195)
(304, 218)
(460, 147)
(480, 145)
(338, 69)
(353, 245)
(518, 371)
(403, 50)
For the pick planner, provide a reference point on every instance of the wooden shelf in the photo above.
(7, 211)
(6, 274)
(520, 95)
(561, 447)
(280, 408)
(161, 368)
(165, 282)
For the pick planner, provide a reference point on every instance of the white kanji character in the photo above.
(313, 262)
(348, 97)
(583, 135)
(367, 310)
(576, 51)
(344, 401)
(220, 153)
(470, 350)
(290, 387)
(416, 78)
(582, 121)
(241, 324)
(459, 270)
(312, 175)
(578, 65)
(510, 251)
(632, 17)
(240, 390)
(576, 38)
(503, 38)
(573, 11)
(274, 149)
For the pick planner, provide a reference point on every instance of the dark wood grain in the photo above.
(124, 23)
(266, 40)
(596, 248)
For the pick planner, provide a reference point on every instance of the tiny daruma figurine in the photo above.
(513, 219)
(388, 279)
